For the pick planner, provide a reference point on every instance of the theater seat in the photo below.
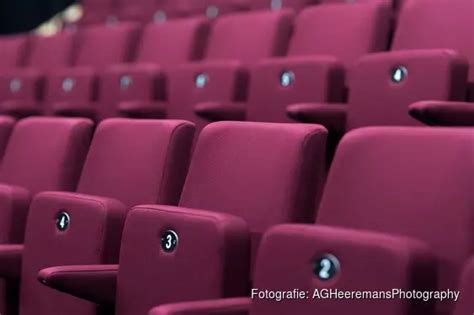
(223, 73)
(427, 63)
(378, 228)
(162, 46)
(130, 162)
(21, 89)
(73, 91)
(42, 154)
(98, 12)
(326, 42)
(263, 174)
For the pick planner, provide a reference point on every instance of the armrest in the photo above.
(216, 111)
(134, 81)
(10, 261)
(231, 306)
(73, 84)
(443, 113)
(143, 109)
(14, 205)
(22, 84)
(21, 108)
(74, 72)
(95, 283)
(331, 116)
(225, 80)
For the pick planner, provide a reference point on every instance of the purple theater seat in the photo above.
(439, 113)
(162, 46)
(73, 91)
(85, 227)
(465, 305)
(423, 66)
(145, 278)
(13, 50)
(378, 228)
(459, 16)
(223, 75)
(98, 12)
(42, 154)
(315, 68)
(21, 89)
(264, 174)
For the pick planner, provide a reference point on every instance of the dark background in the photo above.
(25, 15)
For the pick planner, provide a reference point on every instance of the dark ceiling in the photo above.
(25, 15)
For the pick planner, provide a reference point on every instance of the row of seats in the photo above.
(207, 231)
(112, 11)
(243, 75)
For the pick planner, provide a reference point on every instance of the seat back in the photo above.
(138, 161)
(52, 52)
(97, 11)
(346, 32)
(264, 173)
(319, 33)
(422, 66)
(13, 51)
(130, 162)
(46, 153)
(248, 37)
(102, 46)
(174, 42)
(159, 243)
(393, 180)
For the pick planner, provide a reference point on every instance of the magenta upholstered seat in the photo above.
(129, 162)
(13, 50)
(21, 89)
(459, 15)
(162, 46)
(98, 11)
(327, 40)
(379, 227)
(42, 154)
(71, 91)
(465, 304)
(236, 41)
(427, 63)
(262, 174)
